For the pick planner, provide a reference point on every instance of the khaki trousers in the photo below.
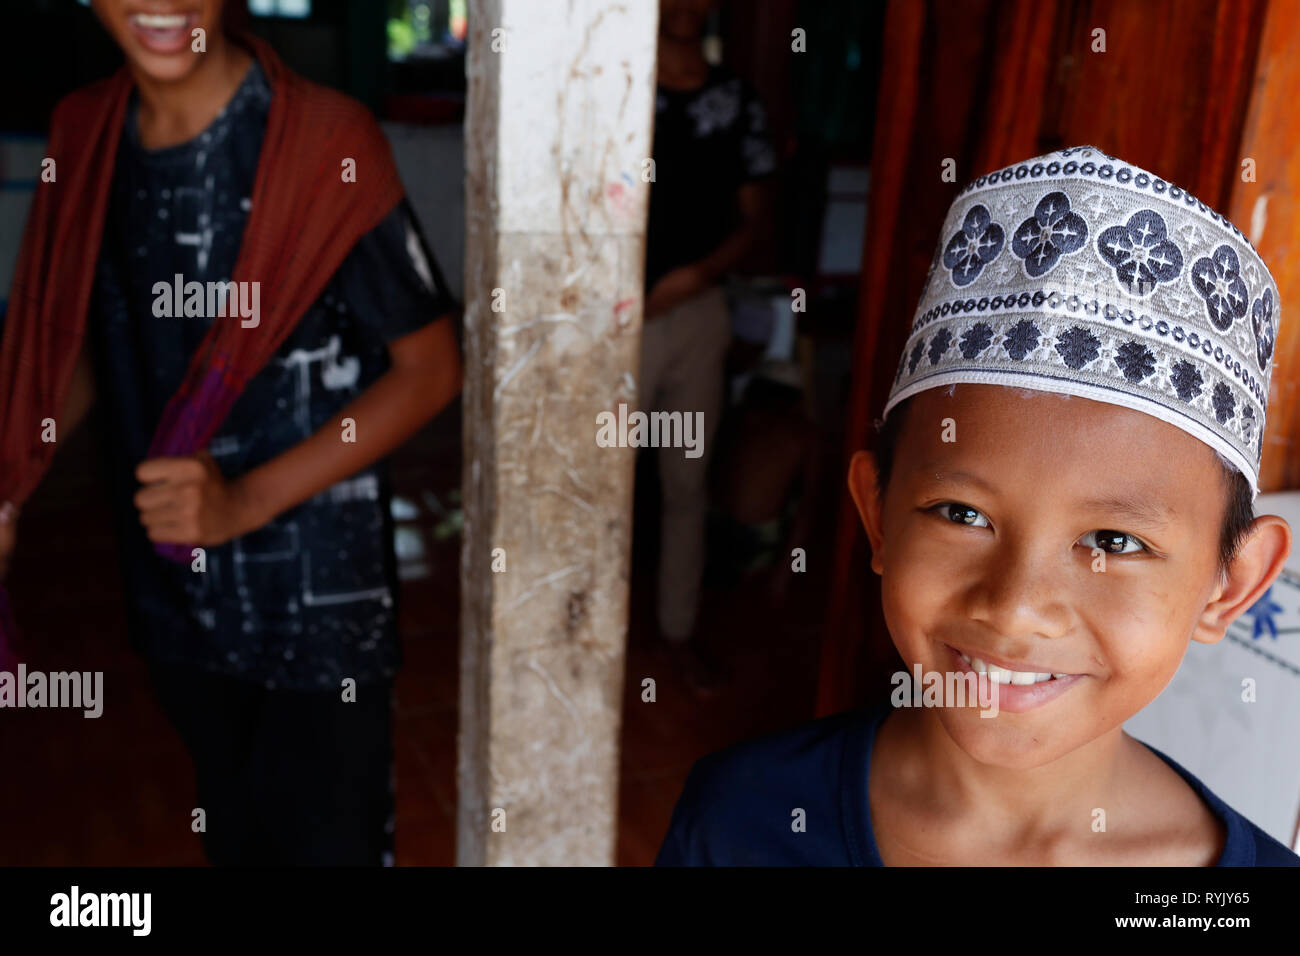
(682, 355)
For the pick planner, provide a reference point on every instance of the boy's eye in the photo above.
(1112, 542)
(962, 514)
(1108, 540)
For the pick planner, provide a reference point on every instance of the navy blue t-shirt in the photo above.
(736, 807)
(307, 599)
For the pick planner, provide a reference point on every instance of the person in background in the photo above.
(708, 208)
(275, 659)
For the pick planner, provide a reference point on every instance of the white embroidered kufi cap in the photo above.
(1079, 273)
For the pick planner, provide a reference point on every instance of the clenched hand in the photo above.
(188, 501)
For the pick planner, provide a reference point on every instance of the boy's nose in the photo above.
(1021, 594)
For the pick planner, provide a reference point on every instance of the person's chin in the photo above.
(165, 68)
(1005, 741)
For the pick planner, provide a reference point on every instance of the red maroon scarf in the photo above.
(304, 221)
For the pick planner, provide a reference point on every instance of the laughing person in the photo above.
(1061, 498)
(261, 443)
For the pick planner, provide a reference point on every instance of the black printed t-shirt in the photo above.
(307, 599)
(708, 142)
(736, 807)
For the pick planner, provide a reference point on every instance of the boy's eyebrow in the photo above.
(1138, 509)
(1121, 505)
(934, 471)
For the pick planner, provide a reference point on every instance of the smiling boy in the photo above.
(1060, 499)
(246, 449)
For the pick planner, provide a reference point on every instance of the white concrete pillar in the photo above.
(557, 131)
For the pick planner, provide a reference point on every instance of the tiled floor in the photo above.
(119, 790)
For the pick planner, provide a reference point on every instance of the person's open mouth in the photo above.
(1017, 691)
(163, 32)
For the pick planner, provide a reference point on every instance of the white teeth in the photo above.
(1000, 675)
(159, 21)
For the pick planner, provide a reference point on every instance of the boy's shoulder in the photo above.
(1246, 844)
(1268, 851)
(76, 110)
(321, 103)
(799, 798)
(784, 799)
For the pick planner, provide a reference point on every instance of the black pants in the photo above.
(285, 777)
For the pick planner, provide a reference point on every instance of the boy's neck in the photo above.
(1046, 800)
(176, 112)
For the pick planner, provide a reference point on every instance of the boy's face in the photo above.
(157, 36)
(985, 545)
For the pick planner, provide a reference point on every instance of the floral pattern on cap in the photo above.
(1052, 231)
(1120, 286)
(1218, 280)
(1261, 321)
(976, 244)
(1140, 252)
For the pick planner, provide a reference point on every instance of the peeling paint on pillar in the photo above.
(557, 126)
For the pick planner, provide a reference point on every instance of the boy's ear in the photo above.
(862, 485)
(1259, 561)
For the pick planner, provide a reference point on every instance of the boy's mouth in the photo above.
(1017, 691)
(163, 32)
(1001, 675)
